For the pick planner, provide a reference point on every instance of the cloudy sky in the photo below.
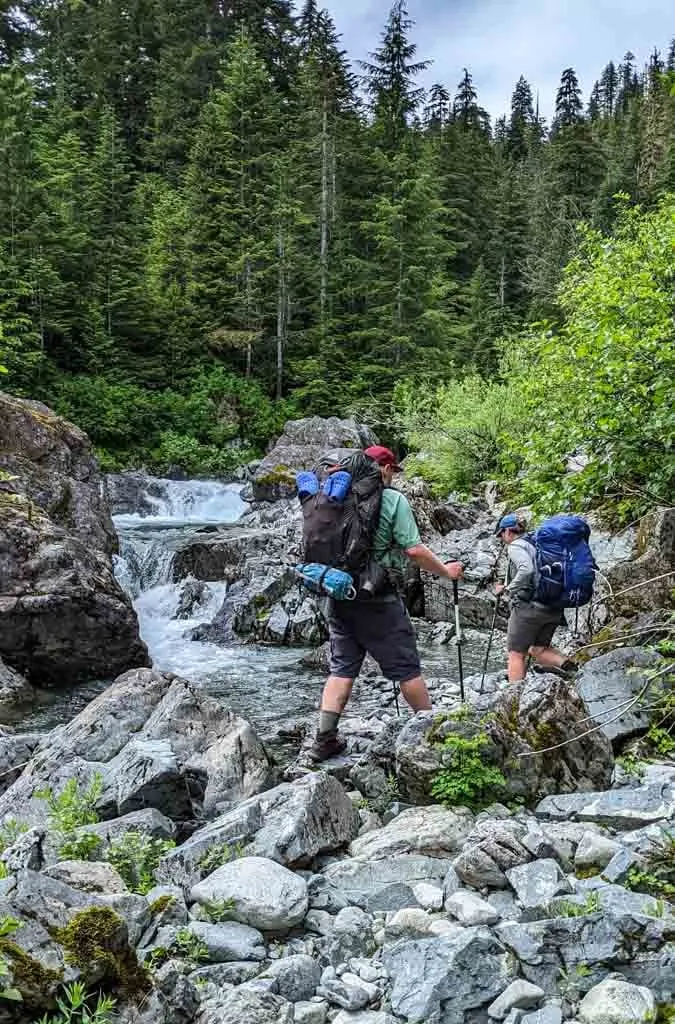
(498, 40)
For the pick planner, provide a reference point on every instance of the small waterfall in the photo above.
(144, 561)
(160, 515)
(182, 502)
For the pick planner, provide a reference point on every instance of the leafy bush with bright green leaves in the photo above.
(459, 431)
(601, 384)
(216, 422)
(136, 857)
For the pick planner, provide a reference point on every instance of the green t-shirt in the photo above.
(396, 530)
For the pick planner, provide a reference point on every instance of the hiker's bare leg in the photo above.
(416, 694)
(517, 666)
(549, 657)
(328, 743)
(336, 693)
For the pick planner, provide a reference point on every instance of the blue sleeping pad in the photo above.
(321, 579)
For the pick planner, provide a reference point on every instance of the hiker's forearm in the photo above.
(427, 560)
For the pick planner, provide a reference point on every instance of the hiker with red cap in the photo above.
(377, 622)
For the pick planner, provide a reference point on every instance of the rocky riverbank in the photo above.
(171, 873)
(510, 858)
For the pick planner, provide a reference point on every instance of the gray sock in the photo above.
(329, 721)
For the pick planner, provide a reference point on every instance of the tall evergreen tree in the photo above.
(609, 87)
(437, 109)
(466, 111)
(522, 126)
(18, 197)
(391, 79)
(230, 195)
(568, 104)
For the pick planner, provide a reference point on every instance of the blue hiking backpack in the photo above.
(565, 575)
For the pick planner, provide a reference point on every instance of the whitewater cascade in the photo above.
(244, 675)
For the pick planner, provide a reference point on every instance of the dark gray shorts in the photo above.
(380, 628)
(532, 626)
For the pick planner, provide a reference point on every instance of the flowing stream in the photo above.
(262, 683)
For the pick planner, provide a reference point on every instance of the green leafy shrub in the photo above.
(657, 877)
(82, 846)
(10, 831)
(219, 910)
(69, 810)
(218, 855)
(217, 421)
(602, 383)
(567, 908)
(136, 857)
(599, 384)
(185, 946)
(77, 1006)
(458, 429)
(467, 779)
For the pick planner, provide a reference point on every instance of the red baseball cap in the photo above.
(384, 457)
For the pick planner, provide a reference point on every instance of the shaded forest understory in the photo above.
(210, 221)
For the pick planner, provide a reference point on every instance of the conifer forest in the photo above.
(211, 220)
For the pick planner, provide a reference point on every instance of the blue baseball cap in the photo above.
(509, 522)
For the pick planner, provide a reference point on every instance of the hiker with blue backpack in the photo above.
(358, 533)
(549, 571)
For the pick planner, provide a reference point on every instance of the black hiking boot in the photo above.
(325, 746)
(567, 670)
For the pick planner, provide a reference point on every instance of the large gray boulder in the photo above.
(303, 445)
(430, 831)
(40, 958)
(492, 848)
(627, 808)
(225, 554)
(607, 684)
(447, 976)
(366, 883)
(151, 737)
(261, 892)
(244, 1006)
(599, 943)
(523, 723)
(63, 616)
(297, 977)
(642, 583)
(230, 941)
(616, 1001)
(538, 882)
(248, 603)
(290, 824)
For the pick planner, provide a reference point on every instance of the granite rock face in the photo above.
(63, 616)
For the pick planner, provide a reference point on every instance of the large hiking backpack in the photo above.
(340, 534)
(565, 575)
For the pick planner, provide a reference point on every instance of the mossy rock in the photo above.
(96, 942)
(36, 983)
(278, 475)
(161, 904)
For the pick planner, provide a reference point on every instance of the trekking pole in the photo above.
(492, 634)
(458, 635)
(398, 709)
